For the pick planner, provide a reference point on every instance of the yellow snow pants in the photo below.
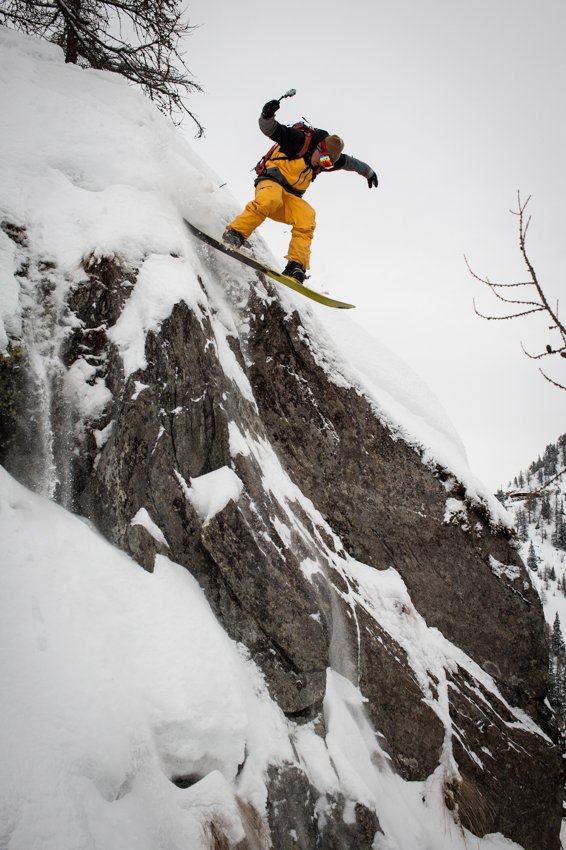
(272, 201)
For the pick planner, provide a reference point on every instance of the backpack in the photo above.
(261, 167)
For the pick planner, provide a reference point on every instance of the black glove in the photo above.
(372, 180)
(270, 109)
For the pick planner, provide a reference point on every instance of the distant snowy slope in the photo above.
(90, 168)
(537, 501)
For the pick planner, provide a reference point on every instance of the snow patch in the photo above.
(87, 393)
(210, 493)
(102, 435)
(10, 312)
(237, 441)
(143, 518)
(310, 568)
(162, 282)
(139, 388)
(282, 531)
(230, 365)
(510, 571)
(456, 512)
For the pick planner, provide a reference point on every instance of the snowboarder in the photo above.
(299, 155)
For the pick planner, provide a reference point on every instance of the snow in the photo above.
(143, 518)
(162, 282)
(139, 388)
(229, 362)
(385, 597)
(455, 511)
(10, 319)
(88, 394)
(510, 571)
(548, 579)
(116, 680)
(310, 568)
(237, 441)
(209, 494)
(554, 601)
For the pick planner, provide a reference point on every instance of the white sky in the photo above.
(456, 106)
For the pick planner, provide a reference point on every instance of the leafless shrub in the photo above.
(463, 797)
(528, 301)
(218, 840)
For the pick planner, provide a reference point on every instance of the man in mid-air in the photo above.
(299, 155)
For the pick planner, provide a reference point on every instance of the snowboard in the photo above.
(261, 267)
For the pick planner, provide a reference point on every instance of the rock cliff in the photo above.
(330, 499)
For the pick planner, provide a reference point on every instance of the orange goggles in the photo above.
(324, 159)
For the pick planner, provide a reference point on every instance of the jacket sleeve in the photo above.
(290, 139)
(350, 163)
(268, 126)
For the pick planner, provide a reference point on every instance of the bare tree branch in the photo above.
(522, 240)
(91, 33)
(539, 305)
(503, 318)
(556, 384)
(549, 351)
(511, 285)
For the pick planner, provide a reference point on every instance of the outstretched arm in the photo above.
(350, 163)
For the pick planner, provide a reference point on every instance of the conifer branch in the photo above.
(551, 480)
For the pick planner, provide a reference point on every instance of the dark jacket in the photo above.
(292, 139)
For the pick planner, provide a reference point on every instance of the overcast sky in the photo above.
(456, 105)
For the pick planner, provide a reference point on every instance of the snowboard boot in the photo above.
(232, 238)
(295, 270)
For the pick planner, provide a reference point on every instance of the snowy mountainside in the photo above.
(536, 499)
(333, 642)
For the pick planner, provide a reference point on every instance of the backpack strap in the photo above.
(261, 167)
(308, 131)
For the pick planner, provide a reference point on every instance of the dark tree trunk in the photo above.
(71, 38)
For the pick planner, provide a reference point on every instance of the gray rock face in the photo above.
(373, 500)
(293, 822)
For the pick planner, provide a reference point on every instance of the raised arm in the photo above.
(267, 123)
(291, 140)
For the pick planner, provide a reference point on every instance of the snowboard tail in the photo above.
(290, 282)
